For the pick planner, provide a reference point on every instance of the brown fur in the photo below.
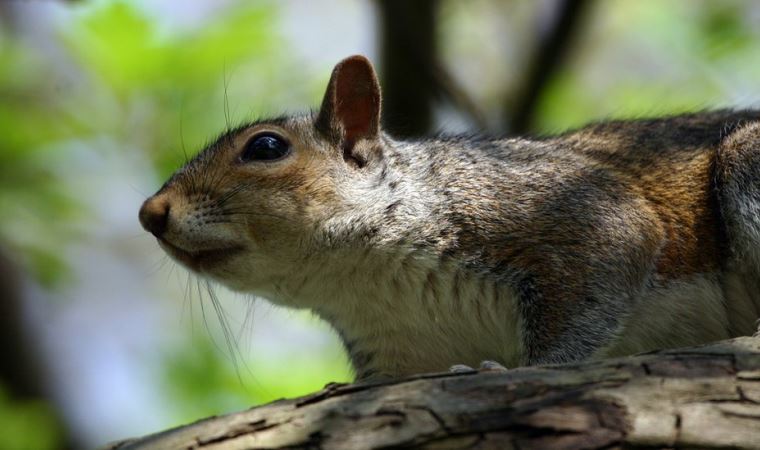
(678, 186)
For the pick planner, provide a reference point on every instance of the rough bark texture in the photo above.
(701, 397)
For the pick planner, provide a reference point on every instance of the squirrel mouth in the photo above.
(199, 259)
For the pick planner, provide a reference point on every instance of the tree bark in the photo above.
(703, 397)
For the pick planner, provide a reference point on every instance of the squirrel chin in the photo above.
(198, 260)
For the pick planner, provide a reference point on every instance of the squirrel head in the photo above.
(259, 202)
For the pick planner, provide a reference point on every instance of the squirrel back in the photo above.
(619, 237)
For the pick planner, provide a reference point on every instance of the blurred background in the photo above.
(102, 337)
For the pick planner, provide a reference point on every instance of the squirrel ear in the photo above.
(351, 108)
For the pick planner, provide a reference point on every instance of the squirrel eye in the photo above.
(265, 147)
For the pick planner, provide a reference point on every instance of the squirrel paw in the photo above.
(485, 366)
(461, 368)
(492, 366)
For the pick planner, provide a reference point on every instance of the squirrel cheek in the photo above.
(253, 234)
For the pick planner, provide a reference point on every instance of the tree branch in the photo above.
(703, 397)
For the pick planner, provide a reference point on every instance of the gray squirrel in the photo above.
(617, 238)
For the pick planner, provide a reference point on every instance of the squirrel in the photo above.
(621, 237)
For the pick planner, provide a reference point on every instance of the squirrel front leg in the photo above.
(583, 270)
(571, 326)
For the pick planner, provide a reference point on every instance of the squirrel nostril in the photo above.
(154, 214)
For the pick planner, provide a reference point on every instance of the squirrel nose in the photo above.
(154, 215)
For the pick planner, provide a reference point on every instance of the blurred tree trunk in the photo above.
(550, 53)
(408, 56)
(22, 377)
(413, 77)
(700, 397)
(22, 374)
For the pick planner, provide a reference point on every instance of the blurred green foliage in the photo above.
(34, 206)
(201, 386)
(125, 84)
(27, 425)
(173, 77)
(649, 58)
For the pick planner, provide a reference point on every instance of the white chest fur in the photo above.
(406, 313)
(693, 310)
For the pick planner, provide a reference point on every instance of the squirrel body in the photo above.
(617, 238)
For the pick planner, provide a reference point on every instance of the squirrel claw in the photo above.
(461, 368)
(485, 366)
(492, 366)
